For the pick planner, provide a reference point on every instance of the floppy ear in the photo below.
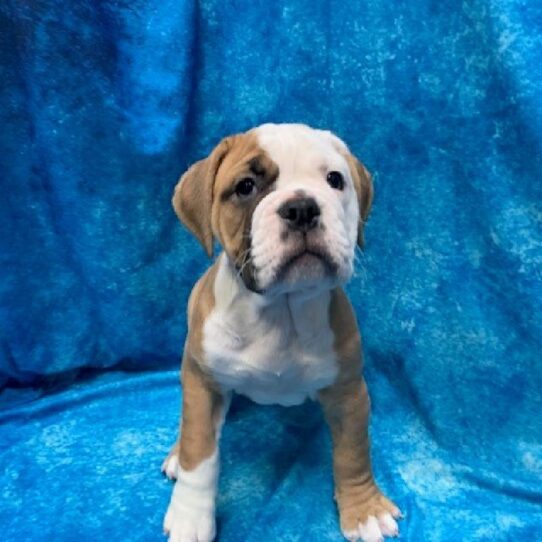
(363, 184)
(193, 195)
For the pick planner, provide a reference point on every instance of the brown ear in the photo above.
(363, 184)
(193, 195)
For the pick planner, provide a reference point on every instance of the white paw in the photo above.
(189, 524)
(190, 516)
(170, 466)
(374, 529)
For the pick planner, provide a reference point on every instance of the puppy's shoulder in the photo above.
(200, 304)
(347, 338)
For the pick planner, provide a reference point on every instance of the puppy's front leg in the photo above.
(191, 513)
(364, 512)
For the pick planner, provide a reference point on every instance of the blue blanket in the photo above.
(105, 103)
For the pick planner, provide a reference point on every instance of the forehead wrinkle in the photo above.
(236, 164)
(298, 150)
(262, 166)
(237, 160)
(246, 155)
(255, 166)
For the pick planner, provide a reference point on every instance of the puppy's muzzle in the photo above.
(300, 214)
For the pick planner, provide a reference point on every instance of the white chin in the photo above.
(308, 272)
(306, 268)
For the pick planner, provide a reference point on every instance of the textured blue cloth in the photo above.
(105, 103)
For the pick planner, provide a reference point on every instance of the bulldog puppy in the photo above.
(269, 318)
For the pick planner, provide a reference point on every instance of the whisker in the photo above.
(241, 269)
(242, 256)
(360, 269)
(244, 261)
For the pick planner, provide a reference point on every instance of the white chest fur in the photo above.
(273, 352)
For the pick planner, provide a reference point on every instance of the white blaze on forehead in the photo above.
(301, 152)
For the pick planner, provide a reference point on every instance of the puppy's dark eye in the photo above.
(245, 187)
(335, 180)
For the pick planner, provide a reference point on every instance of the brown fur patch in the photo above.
(206, 202)
(202, 410)
(200, 305)
(193, 195)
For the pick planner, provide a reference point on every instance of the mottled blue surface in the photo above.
(104, 104)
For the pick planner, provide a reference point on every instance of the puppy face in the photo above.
(286, 202)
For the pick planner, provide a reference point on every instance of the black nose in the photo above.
(300, 214)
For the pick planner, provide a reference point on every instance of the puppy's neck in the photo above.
(229, 289)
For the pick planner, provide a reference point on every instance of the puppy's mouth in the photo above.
(306, 263)
(309, 262)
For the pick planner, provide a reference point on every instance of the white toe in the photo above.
(168, 520)
(170, 467)
(189, 529)
(388, 525)
(352, 536)
(206, 530)
(370, 530)
(186, 532)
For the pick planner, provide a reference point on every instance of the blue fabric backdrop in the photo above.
(105, 103)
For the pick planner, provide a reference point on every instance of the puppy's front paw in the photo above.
(190, 516)
(187, 522)
(369, 520)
